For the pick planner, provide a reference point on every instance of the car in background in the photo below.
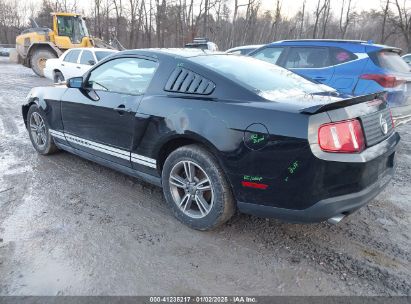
(4, 51)
(407, 58)
(243, 50)
(202, 44)
(353, 67)
(74, 62)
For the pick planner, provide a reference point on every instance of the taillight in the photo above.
(341, 137)
(386, 81)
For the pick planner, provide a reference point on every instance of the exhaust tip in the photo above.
(336, 219)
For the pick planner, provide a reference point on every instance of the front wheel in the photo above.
(39, 131)
(196, 189)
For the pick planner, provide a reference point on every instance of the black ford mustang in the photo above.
(221, 132)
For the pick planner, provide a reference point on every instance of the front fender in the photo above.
(48, 100)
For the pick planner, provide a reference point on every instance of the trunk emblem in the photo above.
(383, 125)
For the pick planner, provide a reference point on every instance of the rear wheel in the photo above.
(39, 131)
(38, 60)
(58, 76)
(196, 189)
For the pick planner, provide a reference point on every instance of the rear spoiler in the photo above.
(343, 103)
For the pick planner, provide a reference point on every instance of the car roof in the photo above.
(246, 47)
(94, 49)
(335, 42)
(172, 52)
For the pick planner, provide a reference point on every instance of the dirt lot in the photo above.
(71, 227)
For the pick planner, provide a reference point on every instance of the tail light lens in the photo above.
(341, 137)
(386, 81)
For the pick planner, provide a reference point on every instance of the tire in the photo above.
(43, 144)
(58, 76)
(38, 60)
(202, 209)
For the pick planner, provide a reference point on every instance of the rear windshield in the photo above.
(101, 55)
(267, 80)
(391, 61)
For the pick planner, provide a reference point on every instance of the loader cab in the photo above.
(69, 29)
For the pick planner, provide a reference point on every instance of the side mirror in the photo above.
(91, 62)
(75, 82)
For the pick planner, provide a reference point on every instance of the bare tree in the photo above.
(345, 17)
(171, 23)
(326, 17)
(384, 20)
(277, 20)
(317, 14)
(403, 21)
(300, 32)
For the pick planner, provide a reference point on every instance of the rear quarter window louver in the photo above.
(186, 81)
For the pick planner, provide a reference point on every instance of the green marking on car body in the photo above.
(257, 138)
(293, 167)
(252, 178)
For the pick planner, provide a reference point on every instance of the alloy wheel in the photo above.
(191, 189)
(38, 130)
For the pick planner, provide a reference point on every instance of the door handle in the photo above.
(78, 67)
(122, 108)
(62, 64)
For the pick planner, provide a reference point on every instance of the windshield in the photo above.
(103, 54)
(267, 80)
(73, 27)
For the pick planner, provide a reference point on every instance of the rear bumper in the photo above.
(324, 209)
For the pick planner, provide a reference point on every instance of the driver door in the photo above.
(99, 118)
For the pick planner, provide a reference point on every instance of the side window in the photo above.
(124, 75)
(72, 56)
(245, 51)
(64, 25)
(269, 54)
(68, 56)
(86, 58)
(307, 58)
(339, 56)
(407, 59)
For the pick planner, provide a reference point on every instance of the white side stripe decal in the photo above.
(57, 134)
(142, 162)
(98, 147)
(135, 158)
(143, 158)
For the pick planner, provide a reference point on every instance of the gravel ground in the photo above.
(71, 227)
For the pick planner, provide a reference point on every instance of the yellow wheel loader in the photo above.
(37, 44)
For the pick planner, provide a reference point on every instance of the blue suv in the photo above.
(349, 66)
